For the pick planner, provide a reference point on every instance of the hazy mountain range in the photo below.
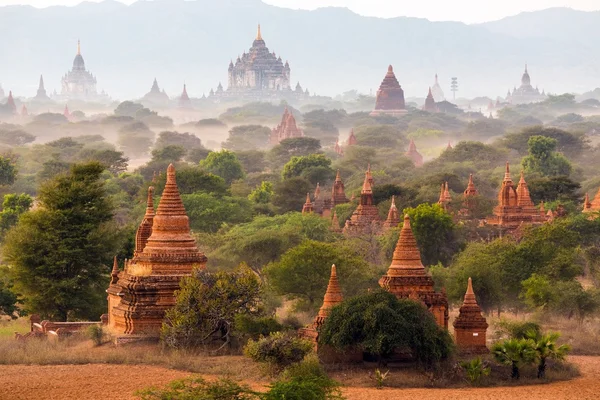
(330, 50)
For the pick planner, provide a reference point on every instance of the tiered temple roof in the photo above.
(430, 103)
(445, 197)
(41, 95)
(333, 297)
(365, 219)
(335, 223)
(155, 95)
(413, 154)
(390, 96)
(470, 326)
(406, 276)
(286, 129)
(338, 193)
(79, 83)
(184, 99)
(514, 206)
(591, 206)
(147, 285)
(437, 91)
(10, 103)
(468, 198)
(525, 93)
(308, 205)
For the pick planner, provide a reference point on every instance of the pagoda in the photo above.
(286, 129)
(445, 197)
(390, 96)
(321, 206)
(365, 219)
(184, 99)
(393, 218)
(337, 148)
(525, 93)
(335, 223)
(470, 326)
(437, 91)
(406, 277)
(79, 83)
(468, 198)
(591, 206)
(155, 96)
(24, 112)
(165, 252)
(352, 138)
(308, 205)
(66, 112)
(514, 206)
(338, 193)
(430, 103)
(41, 95)
(10, 103)
(413, 154)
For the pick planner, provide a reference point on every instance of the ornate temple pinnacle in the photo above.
(171, 174)
(258, 34)
(78, 47)
(150, 201)
(507, 172)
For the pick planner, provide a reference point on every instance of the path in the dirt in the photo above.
(119, 382)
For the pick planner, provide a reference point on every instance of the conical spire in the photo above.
(145, 229)
(114, 275)
(78, 47)
(470, 190)
(10, 102)
(407, 258)
(308, 206)
(441, 198)
(318, 192)
(470, 295)
(333, 294)
(523, 196)
(587, 205)
(338, 178)
(393, 218)
(41, 85)
(335, 222)
(507, 173)
(367, 189)
(338, 193)
(447, 196)
(258, 34)
(150, 202)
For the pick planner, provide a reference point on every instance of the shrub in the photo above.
(514, 353)
(380, 377)
(517, 329)
(199, 389)
(278, 350)
(475, 369)
(96, 334)
(256, 326)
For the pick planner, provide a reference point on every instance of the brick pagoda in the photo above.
(165, 253)
(413, 154)
(390, 96)
(406, 277)
(469, 195)
(430, 103)
(365, 219)
(184, 99)
(308, 205)
(515, 206)
(286, 129)
(591, 206)
(470, 326)
(445, 197)
(352, 138)
(393, 218)
(338, 192)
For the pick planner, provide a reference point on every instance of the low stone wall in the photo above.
(47, 328)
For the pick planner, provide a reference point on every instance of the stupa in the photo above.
(515, 206)
(165, 253)
(390, 96)
(286, 129)
(184, 99)
(406, 277)
(525, 93)
(10, 103)
(41, 95)
(393, 217)
(445, 197)
(352, 138)
(413, 154)
(365, 219)
(470, 326)
(430, 103)
(469, 196)
(437, 91)
(591, 206)
(79, 83)
(335, 223)
(155, 96)
(308, 205)
(338, 192)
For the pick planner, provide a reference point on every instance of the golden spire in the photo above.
(78, 47)
(258, 34)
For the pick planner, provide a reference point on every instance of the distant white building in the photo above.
(525, 93)
(436, 91)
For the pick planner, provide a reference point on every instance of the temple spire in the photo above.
(78, 47)
(150, 202)
(333, 296)
(507, 173)
(407, 258)
(258, 34)
(308, 206)
(114, 275)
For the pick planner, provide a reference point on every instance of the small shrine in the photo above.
(470, 326)
(365, 219)
(414, 155)
(393, 218)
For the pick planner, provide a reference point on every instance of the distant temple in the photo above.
(79, 83)
(41, 95)
(155, 96)
(515, 207)
(592, 206)
(525, 93)
(323, 205)
(184, 99)
(470, 327)
(406, 277)
(430, 103)
(393, 218)
(165, 252)
(10, 103)
(352, 138)
(469, 195)
(436, 91)
(365, 219)
(259, 74)
(413, 154)
(445, 197)
(286, 129)
(390, 96)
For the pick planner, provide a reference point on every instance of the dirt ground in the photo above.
(119, 382)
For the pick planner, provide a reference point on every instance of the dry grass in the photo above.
(9, 327)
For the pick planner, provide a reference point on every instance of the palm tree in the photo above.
(514, 353)
(545, 348)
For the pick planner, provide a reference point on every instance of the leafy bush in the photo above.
(96, 334)
(475, 369)
(514, 353)
(199, 389)
(256, 326)
(517, 329)
(278, 350)
(380, 377)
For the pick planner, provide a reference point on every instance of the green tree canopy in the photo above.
(543, 159)
(208, 212)
(59, 255)
(247, 137)
(299, 165)
(290, 194)
(224, 164)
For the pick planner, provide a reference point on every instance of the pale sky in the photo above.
(469, 11)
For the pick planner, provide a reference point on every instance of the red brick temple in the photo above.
(406, 278)
(307, 208)
(430, 103)
(470, 326)
(338, 192)
(393, 218)
(515, 206)
(286, 129)
(469, 195)
(390, 96)
(139, 296)
(352, 138)
(365, 219)
(445, 197)
(414, 155)
(591, 206)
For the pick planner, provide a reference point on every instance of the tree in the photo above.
(128, 109)
(252, 160)
(569, 144)
(207, 304)
(193, 180)
(379, 324)
(545, 347)
(224, 164)
(514, 353)
(262, 194)
(543, 159)
(380, 136)
(197, 154)
(13, 206)
(9, 301)
(297, 166)
(114, 161)
(8, 172)
(170, 153)
(186, 140)
(208, 212)
(435, 233)
(290, 194)
(16, 137)
(59, 254)
(302, 272)
(553, 188)
(247, 137)
(288, 148)
(135, 139)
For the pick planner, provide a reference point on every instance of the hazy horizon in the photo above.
(435, 10)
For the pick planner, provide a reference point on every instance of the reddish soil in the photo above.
(116, 382)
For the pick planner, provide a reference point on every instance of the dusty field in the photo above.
(119, 382)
